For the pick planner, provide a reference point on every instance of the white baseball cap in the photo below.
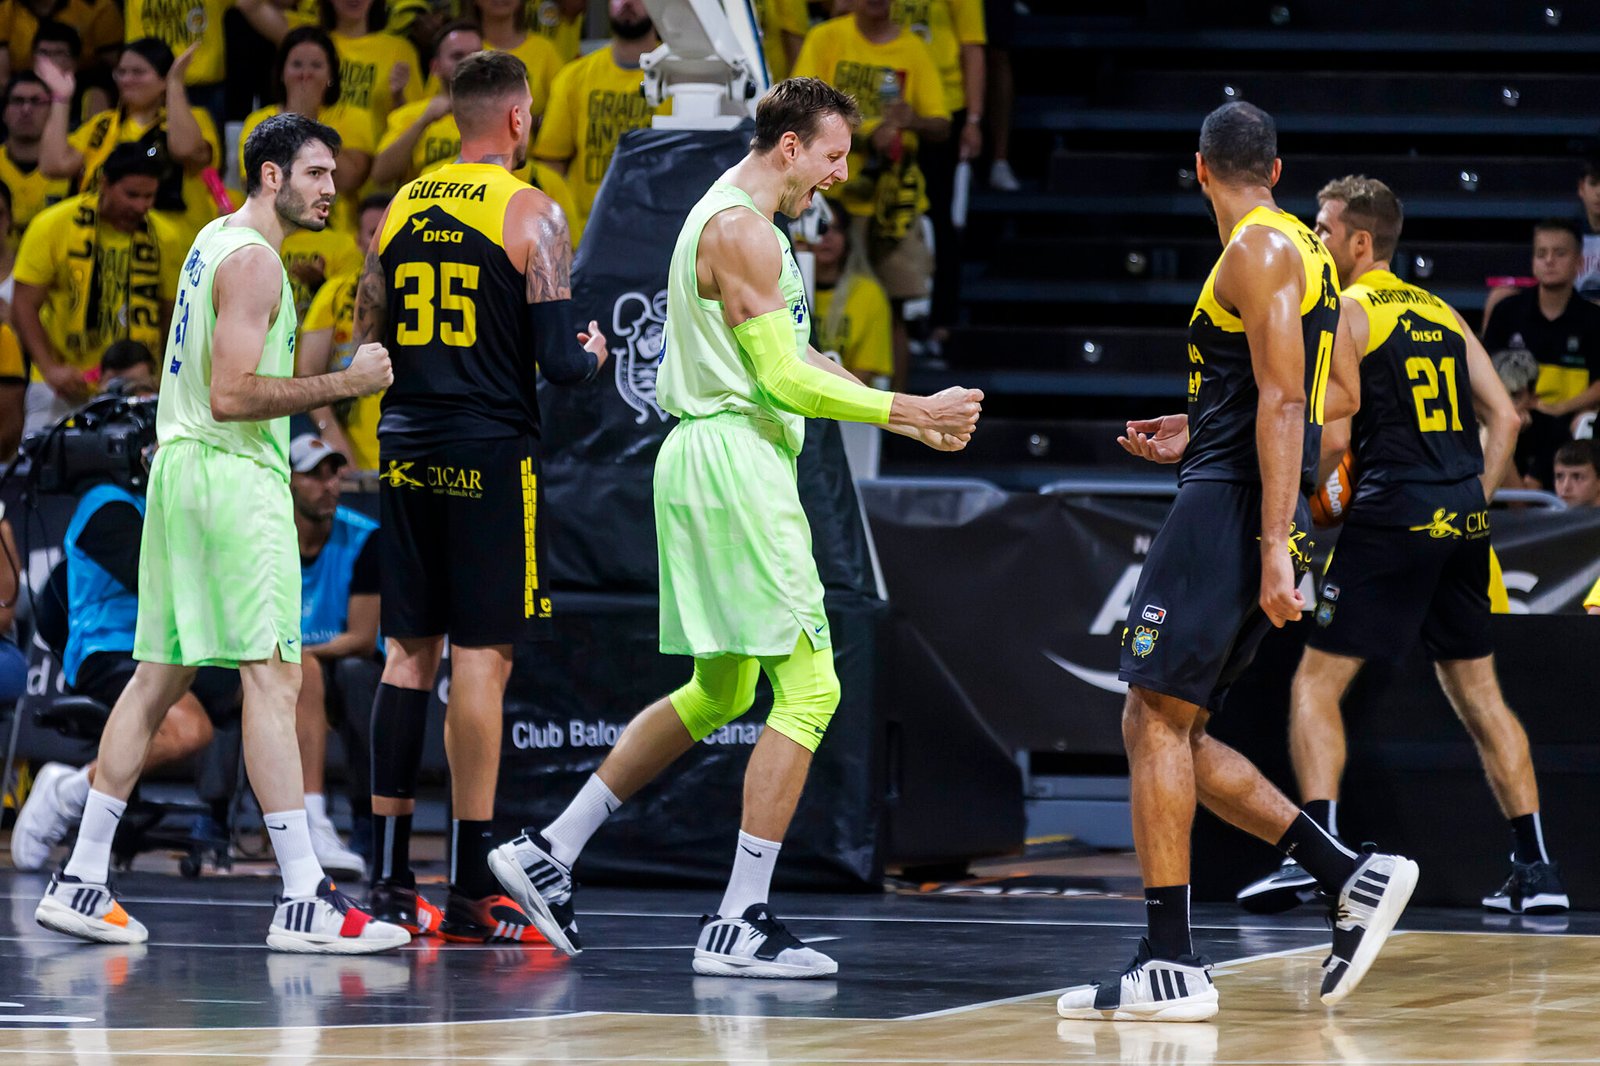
(307, 451)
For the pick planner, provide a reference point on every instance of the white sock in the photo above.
(73, 793)
(91, 856)
(587, 812)
(751, 881)
(291, 843)
(317, 806)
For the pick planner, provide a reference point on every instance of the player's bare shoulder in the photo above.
(541, 228)
(249, 279)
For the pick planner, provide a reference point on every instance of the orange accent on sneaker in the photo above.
(116, 916)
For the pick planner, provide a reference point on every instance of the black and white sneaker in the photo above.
(1283, 889)
(755, 945)
(1532, 888)
(541, 885)
(1369, 905)
(87, 911)
(1149, 990)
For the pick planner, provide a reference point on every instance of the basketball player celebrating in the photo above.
(739, 586)
(219, 566)
(1413, 557)
(468, 281)
(1224, 567)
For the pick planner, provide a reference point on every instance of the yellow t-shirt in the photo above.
(13, 368)
(777, 17)
(944, 25)
(440, 141)
(545, 19)
(542, 61)
(335, 248)
(355, 131)
(335, 309)
(48, 258)
(553, 185)
(861, 330)
(364, 66)
(181, 23)
(198, 206)
(31, 191)
(592, 104)
(98, 22)
(1593, 599)
(837, 53)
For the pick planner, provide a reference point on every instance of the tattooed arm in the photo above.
(548, 268)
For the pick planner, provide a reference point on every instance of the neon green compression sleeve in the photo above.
(767, 341)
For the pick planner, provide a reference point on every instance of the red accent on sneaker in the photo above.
(355, 920)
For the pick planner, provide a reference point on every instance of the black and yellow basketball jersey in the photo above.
(1222, 383)
(1416, 422)
(458, 329)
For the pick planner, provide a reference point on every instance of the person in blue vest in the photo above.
(339, 629)
(101, 550)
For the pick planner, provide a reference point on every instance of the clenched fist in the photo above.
(370, 370)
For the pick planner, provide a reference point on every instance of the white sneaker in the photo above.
(755, 945)
(331, 852)
(541, 885)
(87, 911)
(330, 923)
(1002, 178)
(1369, 905)
(1149, 990)
(44, 820)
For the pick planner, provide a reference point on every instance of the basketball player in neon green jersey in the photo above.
(739, 587)
(219, 567)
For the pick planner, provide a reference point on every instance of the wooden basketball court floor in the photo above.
(922, 980)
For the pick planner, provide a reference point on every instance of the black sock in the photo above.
(1325, 813)
(1321, 856)
(1166, 912)
(391, 848)
(470, 845)
(1527, 839)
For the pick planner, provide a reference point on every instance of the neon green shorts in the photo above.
(219, 565)
(734, 544)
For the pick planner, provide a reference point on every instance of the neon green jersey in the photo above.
(184, 410)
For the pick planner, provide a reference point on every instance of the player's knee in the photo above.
(703, 711)
(804, 716)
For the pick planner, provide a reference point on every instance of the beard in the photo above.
(631, 31)
(293, 209)
(519, 155)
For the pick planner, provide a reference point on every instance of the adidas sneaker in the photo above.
(755, 944)
(87, 911)
(1369, 905)
(1149, 990)
(330, 923)
(1282, 890)
(541, 885)
(1532, 888)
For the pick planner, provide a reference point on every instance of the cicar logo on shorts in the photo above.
(1144, 640)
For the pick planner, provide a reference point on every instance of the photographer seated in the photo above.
(101, 552)
(340, 666)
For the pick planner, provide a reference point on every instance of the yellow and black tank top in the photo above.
(1222, 383)
(458, 330)
(1416, 424)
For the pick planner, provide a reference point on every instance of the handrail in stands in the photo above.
(1535, 497)
(1117, 486)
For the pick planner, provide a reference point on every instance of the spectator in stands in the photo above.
(338, 622)
(896, 83)
(326, 344)
(954, 33)
(422, 134)
(101, 553)
(155, 115)
(305, 80)
(784, 24)
(377, 72)
(93, 269)
(8, 254)
(851, 314)
(505, 29)
(127, 367)
(1001, 24)
(193, 22)
(1519, 372)
(1559, 328)
(13, 662)
(58, 43)
(593, 102)
(1578, 474)
(31, 189)
(561, 21)
(98, 24)
(13, 389)
(1588, 283)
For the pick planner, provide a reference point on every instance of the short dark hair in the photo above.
(377, 15)
(122, 355)
(1239, 141)
(1591, 166)
(454, 26)
(1559, 225)
(482, 78)
(800, 104)
(1578, 453)
(133, 159)
(1371, 205)
(59, 32)
(279, 140)
(295, 38)
(152, 50)
(375, 200)
(24, 77)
